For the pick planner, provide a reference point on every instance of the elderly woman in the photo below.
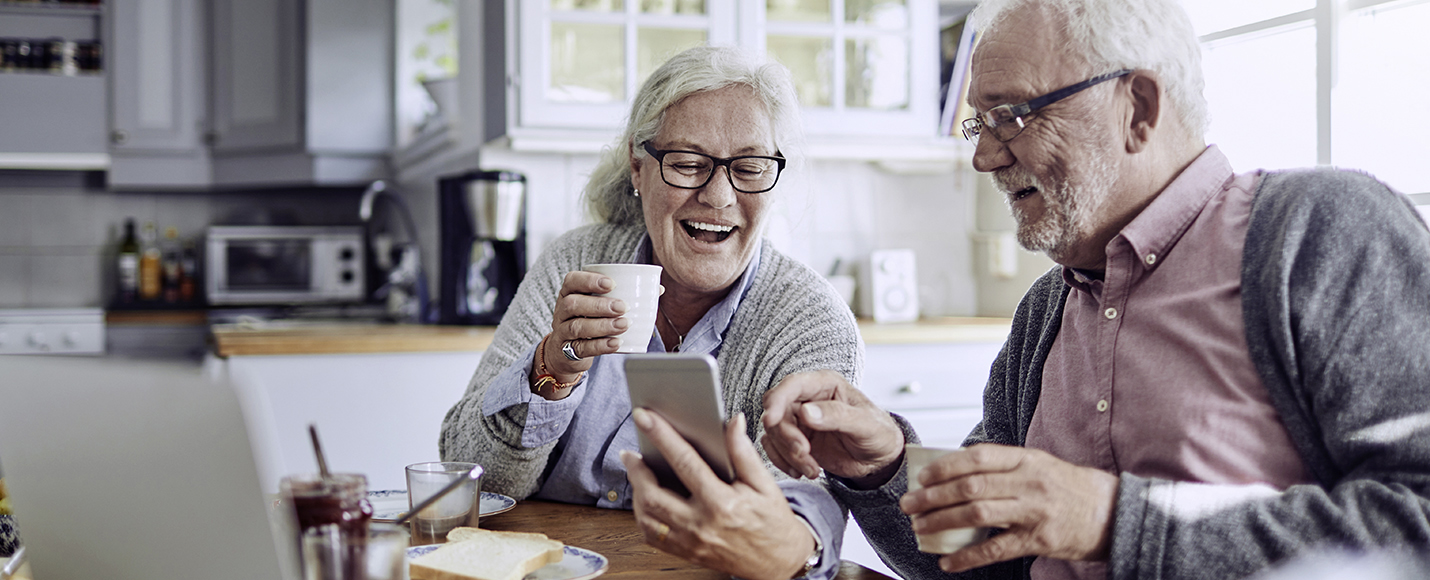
(688, 187)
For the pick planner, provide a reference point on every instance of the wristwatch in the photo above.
(812, 561)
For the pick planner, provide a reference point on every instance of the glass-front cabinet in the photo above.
(581, 61)
(861, 67)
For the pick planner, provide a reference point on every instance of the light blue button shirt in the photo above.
(593, 424)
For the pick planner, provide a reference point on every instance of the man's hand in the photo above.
(817, 419)
(744, 529)
(1049, 507)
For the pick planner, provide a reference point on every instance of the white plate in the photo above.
(576, 564)
(390, 504)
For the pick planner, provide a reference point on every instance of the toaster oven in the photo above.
(285, 264)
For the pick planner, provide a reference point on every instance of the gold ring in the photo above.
(661, 532)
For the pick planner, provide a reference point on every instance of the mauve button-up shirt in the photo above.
(1150, 372)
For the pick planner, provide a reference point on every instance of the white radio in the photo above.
(888, 286)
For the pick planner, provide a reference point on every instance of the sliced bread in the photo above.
(476, 554)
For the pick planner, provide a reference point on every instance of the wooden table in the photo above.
(614, 534)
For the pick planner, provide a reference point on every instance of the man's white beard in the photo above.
(1068, 206)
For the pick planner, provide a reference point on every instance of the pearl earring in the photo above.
(635, 192)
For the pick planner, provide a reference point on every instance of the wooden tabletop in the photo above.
(614, 534)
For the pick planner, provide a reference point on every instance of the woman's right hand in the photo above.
(589, 322)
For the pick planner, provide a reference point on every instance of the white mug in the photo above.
(946, 541)
(638, 285)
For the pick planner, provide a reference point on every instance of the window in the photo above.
(1295, 83)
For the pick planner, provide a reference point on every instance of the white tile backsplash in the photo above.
(65, 280)
(14, 279)
(16, 217)
(55, 238)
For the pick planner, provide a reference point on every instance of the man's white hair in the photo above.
(1152, 35)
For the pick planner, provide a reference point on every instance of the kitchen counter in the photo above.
(280, 337)
(938, 329)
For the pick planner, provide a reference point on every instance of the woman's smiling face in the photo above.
(705, 237)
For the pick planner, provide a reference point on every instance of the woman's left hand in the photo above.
(745, 528)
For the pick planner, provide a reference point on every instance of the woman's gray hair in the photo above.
(1151, 35)
(609, 192)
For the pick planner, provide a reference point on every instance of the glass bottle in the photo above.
(128, 265)
(170, 255)
(150, 266)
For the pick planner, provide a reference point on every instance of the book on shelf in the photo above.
(954, 107)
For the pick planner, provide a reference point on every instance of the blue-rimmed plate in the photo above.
(390, 504)
(576, 564)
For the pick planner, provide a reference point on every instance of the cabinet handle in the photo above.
(118, 136)
(912, 388)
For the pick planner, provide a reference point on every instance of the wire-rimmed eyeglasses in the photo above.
(691, 170)
(1006, 121)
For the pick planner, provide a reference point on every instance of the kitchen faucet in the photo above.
(406, 287)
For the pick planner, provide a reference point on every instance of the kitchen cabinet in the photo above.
(256, 49)
(376, 412)
(557, 76)
(862, 68)
(215, 93)
(156, 93)
(938, 387)
(52, 120)
(377, 392)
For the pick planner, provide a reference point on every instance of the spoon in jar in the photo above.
(318, 451)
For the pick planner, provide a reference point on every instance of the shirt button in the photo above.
(612, 496)
(1151, 259)
(1110, 313)
(1102, 406)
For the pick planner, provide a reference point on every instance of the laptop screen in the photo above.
(124, 469)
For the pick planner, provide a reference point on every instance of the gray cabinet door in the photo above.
(257, 78)
(155, 75)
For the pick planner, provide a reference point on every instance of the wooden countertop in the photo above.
(280, 337)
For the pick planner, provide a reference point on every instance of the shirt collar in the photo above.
(1154, 231)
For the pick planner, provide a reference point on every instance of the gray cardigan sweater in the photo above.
(1336, 301)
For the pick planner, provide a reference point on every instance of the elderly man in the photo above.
(1226, 370)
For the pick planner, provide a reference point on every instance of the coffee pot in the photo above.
(483, 233)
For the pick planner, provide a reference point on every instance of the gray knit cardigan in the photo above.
(790, 320)
(1336, 300)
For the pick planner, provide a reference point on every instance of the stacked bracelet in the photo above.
(544, 379)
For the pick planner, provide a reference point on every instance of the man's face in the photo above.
(1059, 173)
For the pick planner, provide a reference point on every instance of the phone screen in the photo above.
(685, 390)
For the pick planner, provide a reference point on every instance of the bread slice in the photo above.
(476, 554)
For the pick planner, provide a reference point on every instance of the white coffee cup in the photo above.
(946, 541)
(638, 285)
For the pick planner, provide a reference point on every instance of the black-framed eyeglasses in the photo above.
(1006, 121)
(691, 170)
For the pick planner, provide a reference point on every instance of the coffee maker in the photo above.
(483, 244)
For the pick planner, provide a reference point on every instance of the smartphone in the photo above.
(685, 390)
